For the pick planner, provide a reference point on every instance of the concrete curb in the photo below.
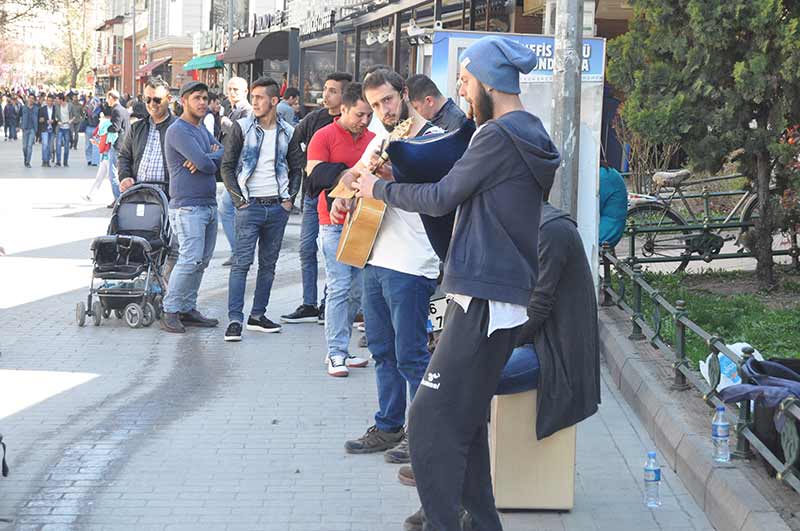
(727, 497)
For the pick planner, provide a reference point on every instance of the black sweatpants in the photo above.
(448, 435)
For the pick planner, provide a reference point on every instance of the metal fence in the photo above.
(614, 293)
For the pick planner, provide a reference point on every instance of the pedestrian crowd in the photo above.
(244, 160)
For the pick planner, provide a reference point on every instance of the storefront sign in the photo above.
(207, 41)
(109, 70)
(320, 21)
(269, 22)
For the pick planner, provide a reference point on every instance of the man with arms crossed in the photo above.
(263, 189)
(490, 273)
(193, 157)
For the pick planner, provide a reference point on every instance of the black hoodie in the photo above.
(562, 325)
(498, 185)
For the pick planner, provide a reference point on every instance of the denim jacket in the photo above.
(253, 135)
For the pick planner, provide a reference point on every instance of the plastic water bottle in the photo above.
(652, 481)
(720, 436)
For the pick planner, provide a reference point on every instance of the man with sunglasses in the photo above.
(141, 157)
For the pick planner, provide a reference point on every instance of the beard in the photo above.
(403, 117)
(483, 107)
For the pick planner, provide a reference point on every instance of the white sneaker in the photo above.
(356, 361)
(337, 366)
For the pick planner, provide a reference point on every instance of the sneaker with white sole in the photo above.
(233, 332)
(337, 366)
(263, 324)
(356, 361)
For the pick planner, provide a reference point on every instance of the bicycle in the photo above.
(662, 234)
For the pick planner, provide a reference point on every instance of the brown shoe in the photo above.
(415, 522)
(171, 322)
(374, 440)
(406, 476)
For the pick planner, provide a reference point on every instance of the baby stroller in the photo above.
(130, 260)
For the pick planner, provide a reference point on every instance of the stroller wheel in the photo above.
(134, 315)
(97, 313)
(80, 313)
(106, 313)
(149, 316)
(118, 314)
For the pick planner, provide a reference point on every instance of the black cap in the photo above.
(192, 86)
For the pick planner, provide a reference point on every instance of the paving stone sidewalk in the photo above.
(138, 429)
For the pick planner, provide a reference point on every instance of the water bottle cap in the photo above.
(651, 454)
(720, 408)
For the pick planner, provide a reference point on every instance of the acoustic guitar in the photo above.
(361, 226)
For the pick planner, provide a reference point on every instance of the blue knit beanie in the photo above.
(498, 61)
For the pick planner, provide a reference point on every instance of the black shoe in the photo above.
(415, 522)
(234, 332)
(66, 165)
(27, 164)
(171, 322)
(374, 440)
(262, 324)
(228, 262)
(321, 316)
(305, 313)
(195, 318)
(45, 164)
(58, 164)
(110, 205)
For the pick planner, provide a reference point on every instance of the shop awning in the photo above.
(273, 45)
(147, 69)
(203, 62)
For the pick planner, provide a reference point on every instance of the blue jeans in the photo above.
(344, 293)
(262, 225)
(309, 230)
(12, 131)
(196, 230)
(62, 144)
(396, 317)
(227, 216)
(28, 137)
(113, 174)
(521, 372)
(47, 145)
(91, 151)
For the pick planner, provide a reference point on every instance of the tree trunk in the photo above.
(764, 269)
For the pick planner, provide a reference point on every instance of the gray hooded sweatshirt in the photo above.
(498, 185)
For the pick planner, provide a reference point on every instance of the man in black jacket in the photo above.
(308, 312)
(141, 155)
(120, 123)
(48, 122)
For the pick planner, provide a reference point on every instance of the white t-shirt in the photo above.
(263, 182)
(402, 243)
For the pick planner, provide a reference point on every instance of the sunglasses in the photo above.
(155, 100)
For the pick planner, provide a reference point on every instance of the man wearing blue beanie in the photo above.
(490, 272)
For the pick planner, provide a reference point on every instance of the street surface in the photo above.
(114, 428)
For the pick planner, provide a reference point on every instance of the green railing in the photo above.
(614, 293)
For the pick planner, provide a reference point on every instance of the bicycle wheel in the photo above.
(669, 244)
(750, 214)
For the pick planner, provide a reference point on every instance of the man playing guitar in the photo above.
(399, 279)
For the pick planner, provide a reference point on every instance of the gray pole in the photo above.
(229, 70)
(567, 102)
(135, 62)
